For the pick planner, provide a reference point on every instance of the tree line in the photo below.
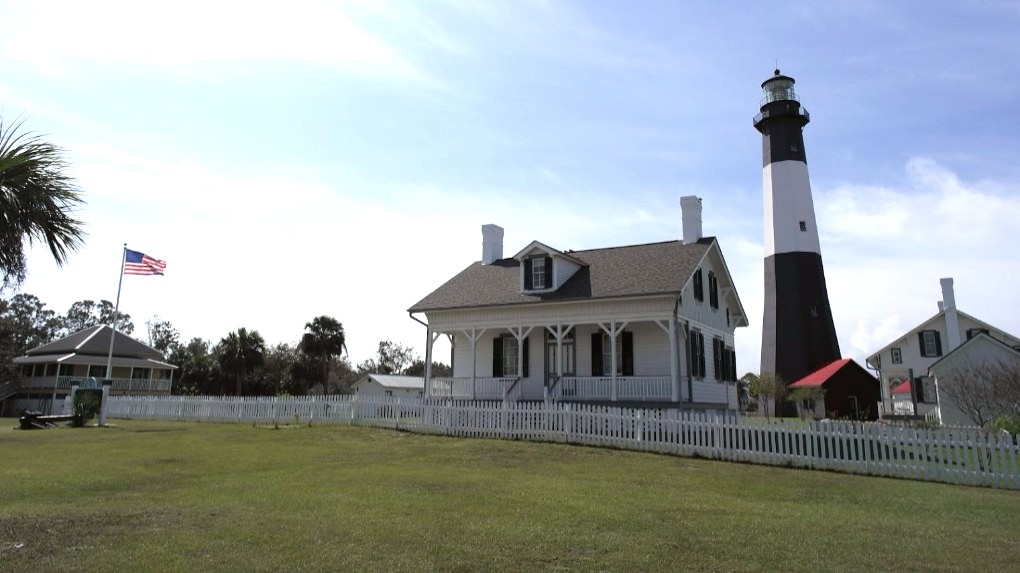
(240, 363)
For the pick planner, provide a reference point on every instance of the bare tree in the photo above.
(982, 390)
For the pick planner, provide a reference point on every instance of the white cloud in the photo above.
(885, 249)
(186, 33)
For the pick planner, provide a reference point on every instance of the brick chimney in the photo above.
(492, 244)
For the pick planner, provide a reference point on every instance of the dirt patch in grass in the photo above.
(29, 542)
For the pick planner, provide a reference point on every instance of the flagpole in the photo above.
(116, 312)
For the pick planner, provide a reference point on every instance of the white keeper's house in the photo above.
(908, 388)
(644, 324)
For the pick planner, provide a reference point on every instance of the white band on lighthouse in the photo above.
(789, 211)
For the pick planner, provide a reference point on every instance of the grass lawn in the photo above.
(208, 497)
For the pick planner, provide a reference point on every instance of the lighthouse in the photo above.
(798, 335)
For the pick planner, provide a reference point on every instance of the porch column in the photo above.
(520, 334)
(474, 336)
(674, 365)
(558, 333)
(432, 336)
(613, 331)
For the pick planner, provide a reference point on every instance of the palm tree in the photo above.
(37, 202)
(325, 339)
(241, 352)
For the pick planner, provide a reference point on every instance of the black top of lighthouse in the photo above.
(779, 100)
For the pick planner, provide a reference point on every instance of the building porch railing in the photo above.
(479, 389)
(119, 386)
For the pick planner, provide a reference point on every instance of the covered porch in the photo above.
(633, 360)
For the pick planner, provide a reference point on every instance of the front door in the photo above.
(550, 360)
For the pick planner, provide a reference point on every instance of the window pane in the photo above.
(509, 356)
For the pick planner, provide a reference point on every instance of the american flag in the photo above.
(136, 263)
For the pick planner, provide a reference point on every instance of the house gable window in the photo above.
(713, 290)
(972, 332)
(699, 291)
(897, 355)
(697, 354)
(601, 354)
(538, 273)
(504, 356)
(930, 343)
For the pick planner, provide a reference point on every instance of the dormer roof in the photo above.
(549, 251)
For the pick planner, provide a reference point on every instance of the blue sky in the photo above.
(307, 158)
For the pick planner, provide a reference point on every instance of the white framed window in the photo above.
(897, 355)
(510, 352)
(539, 273)
(930, 343)
(713, 290)
(607, 355)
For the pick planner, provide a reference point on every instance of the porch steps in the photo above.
(8, 389)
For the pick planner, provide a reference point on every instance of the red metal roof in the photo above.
(822, 375)
(902, 388)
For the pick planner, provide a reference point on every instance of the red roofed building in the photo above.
(850, 391)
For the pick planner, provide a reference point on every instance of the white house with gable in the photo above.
(649, 323)
(903, 364)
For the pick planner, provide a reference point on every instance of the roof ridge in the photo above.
(624, 246)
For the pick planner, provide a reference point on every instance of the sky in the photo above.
(291, 160)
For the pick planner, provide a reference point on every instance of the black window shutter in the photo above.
(628, 353)
(527, 274)
(497, 357)
(938, 344)
(526, 357)
(920, 341)
(716, 359)
(548, 273)
(596, 353)
(701, 354)
(919, 385)
(733, 365)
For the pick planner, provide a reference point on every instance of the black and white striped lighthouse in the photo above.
(798, 335)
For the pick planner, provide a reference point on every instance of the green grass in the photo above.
(208, 497)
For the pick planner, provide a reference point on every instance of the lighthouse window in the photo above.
(803, 226)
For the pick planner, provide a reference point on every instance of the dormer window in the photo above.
(537, 273)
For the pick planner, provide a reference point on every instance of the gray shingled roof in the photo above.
(635, 270)
(96, 341)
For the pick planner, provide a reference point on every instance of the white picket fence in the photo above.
(964, 456)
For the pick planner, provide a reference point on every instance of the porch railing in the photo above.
(462, 388)
(120, 385)
(600, 388)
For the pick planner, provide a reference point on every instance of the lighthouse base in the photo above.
(798, 335)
